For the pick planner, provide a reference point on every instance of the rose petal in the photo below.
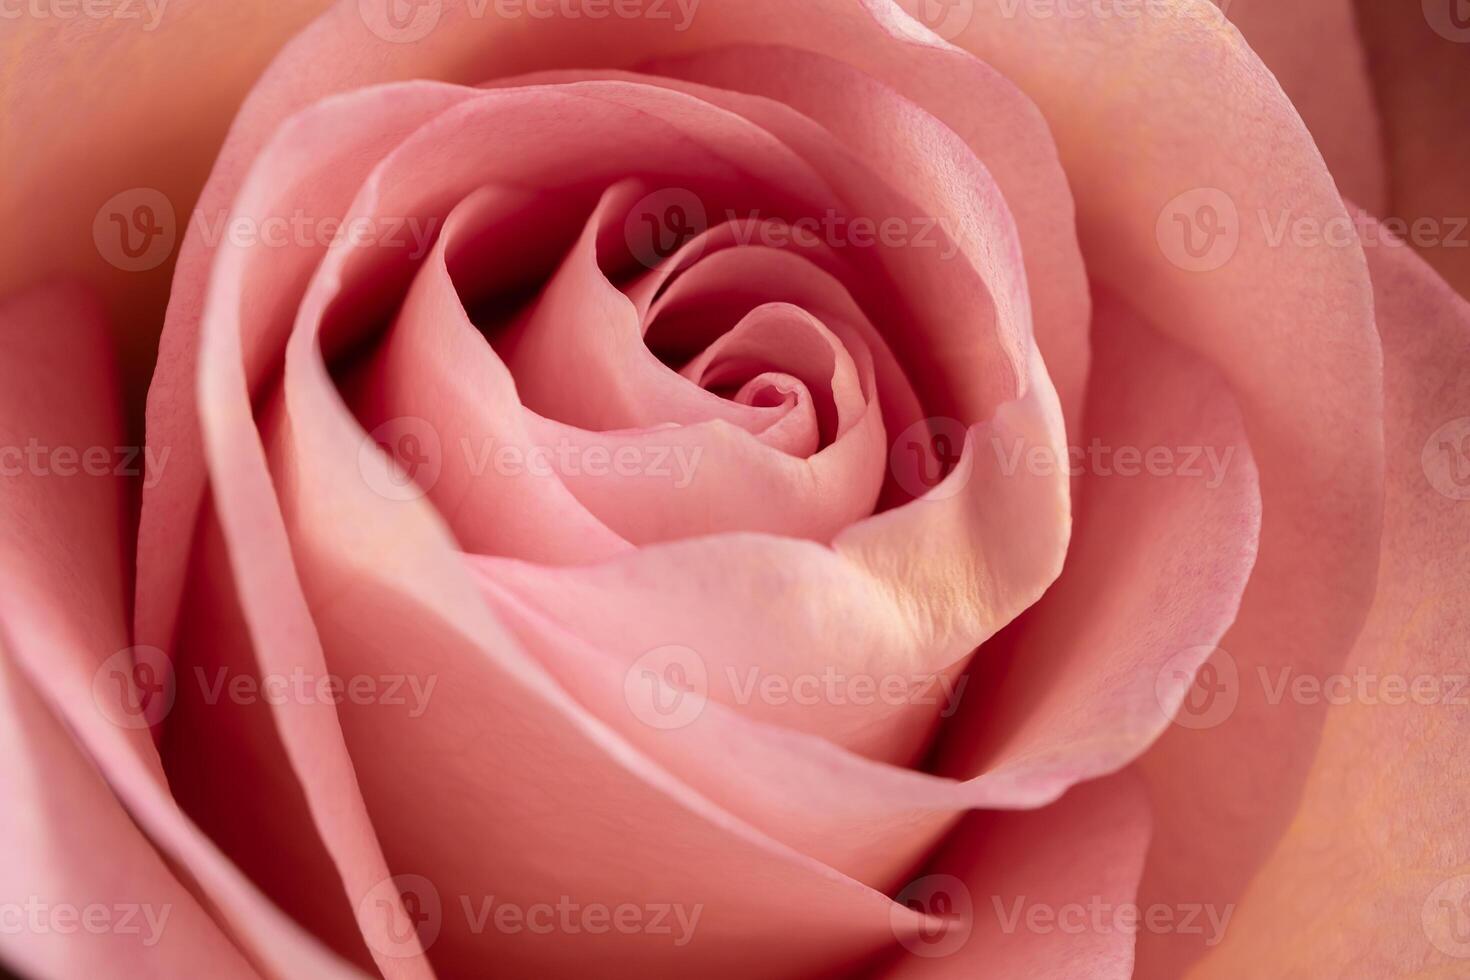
(583, 327)
(1290, 327)
(1326, 80)
(890, 130)
(1044, 894)
(1372, 877)
(1070, 692)
(1417, 56)
(1166, 539)
(435, 377)
(161, 136)
(340, 52)
(62, 602)
(71, 849)
(411, 596)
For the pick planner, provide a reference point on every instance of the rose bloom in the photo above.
(734, 488)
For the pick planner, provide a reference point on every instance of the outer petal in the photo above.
(1419, 57)
(70, 850)
(1327, 80)
(152, 86)
(1188, 129)
(1373, 878)
(1048, 892)
(1167, 530)
(64, 639)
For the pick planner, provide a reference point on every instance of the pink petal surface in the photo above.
(423, 602)
(889, 132)
(325, 562)
(1291, 329)
(1168, 523)
(1371, 878)
(583, 327)
(226, 766)
(1043, 894)
(1327, 81)
(161, 138)
(987, 551)
(65, 638)
(72, 851)
(1419, 61)
(340, 52)
(434, 366)
(1083, 693)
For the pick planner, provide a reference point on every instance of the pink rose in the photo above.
(734, 488)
